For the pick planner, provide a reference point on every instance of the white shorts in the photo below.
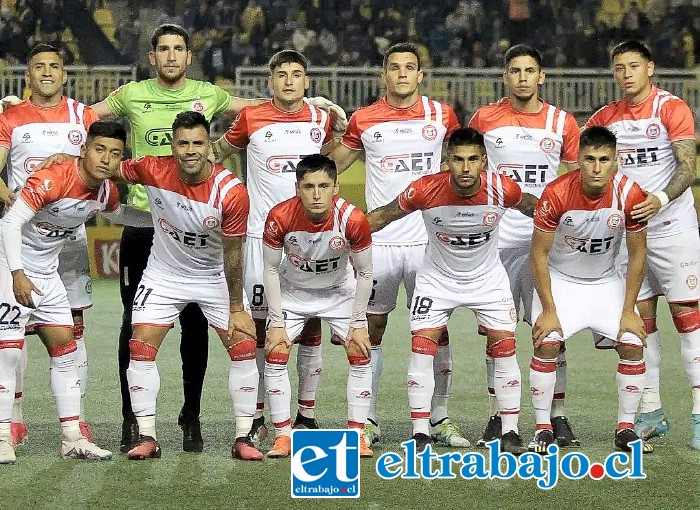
(391, 265)
(331, 305)
(673, 267)
(517, 264)
(597, 307)
(253, 277)
(437, 296)
(52, 309)
(159, 300)
(74, 270)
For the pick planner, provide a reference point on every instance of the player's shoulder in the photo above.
(669, 103)
(132, 86)
(607, 114)
(565, 181)
(285, 209)
(19, 114)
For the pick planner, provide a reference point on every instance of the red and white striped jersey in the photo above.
(588, 231)
(528, 147)
(32, 133)
(276, 141)
(401, 145)
(62, 203)
(190, 220)
(462, 231)
(645, 132)
(316, 255)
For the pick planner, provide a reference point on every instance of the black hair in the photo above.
(317, 163)
(190, 120)
(466, 136)
(107, 129)
(631, 46)
(42, 48)
(597, 136)
(401, 48)
(169, 29)
(288, 57)
(522, 50)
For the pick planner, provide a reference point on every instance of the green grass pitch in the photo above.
(40, 479)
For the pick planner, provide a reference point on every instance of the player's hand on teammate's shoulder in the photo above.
(275, 337)
(646, 210)
(631, 322)
(240, 321)
(8, 102)
(54, 159)
(22, 287)
(546, 323)
(360, 337)
(7, 198)
(338, 116)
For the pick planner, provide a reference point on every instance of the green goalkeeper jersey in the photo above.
(151, 110)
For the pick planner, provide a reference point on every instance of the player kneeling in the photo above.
(53, 204)
(580, 221)
(461, 210)
(320, 233)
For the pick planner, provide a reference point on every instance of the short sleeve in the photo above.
(237, 133)
(677, 118)
(352, 138)
(234, 216)
(273, 235)
(89, 116)
(451, 121)
(118, 100)
(634, 197)
(135, 171)
(547, 212)
(572, 133)
(5, 132)
(41, 188)
(113, 201)
(222, 98)
(358, 232)
(512, 194)
(409, 198)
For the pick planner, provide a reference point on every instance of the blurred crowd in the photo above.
(451, 33)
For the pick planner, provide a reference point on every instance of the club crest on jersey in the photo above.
(429, 132)
(75, 137)
(615, 221)
(336, 243)
(547, 145)
(490, 218)
(43, 188)
(653, 131)
(210, 222)
(316, 135)
(691, 281)
(198, 106)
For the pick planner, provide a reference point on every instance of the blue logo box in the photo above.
(325, 463)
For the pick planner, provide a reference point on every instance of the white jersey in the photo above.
(588, 231)
(528, 147)
(645, 132)
(316, 254)
(62, 204)
(401, 145)
(190, 220)
(276, 141)
(31, 133)
(462, 231)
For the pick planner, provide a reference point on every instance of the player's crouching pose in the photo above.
(200, 211)
(579, 225)
(54, 202)
(461, 210)
(319, 233)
